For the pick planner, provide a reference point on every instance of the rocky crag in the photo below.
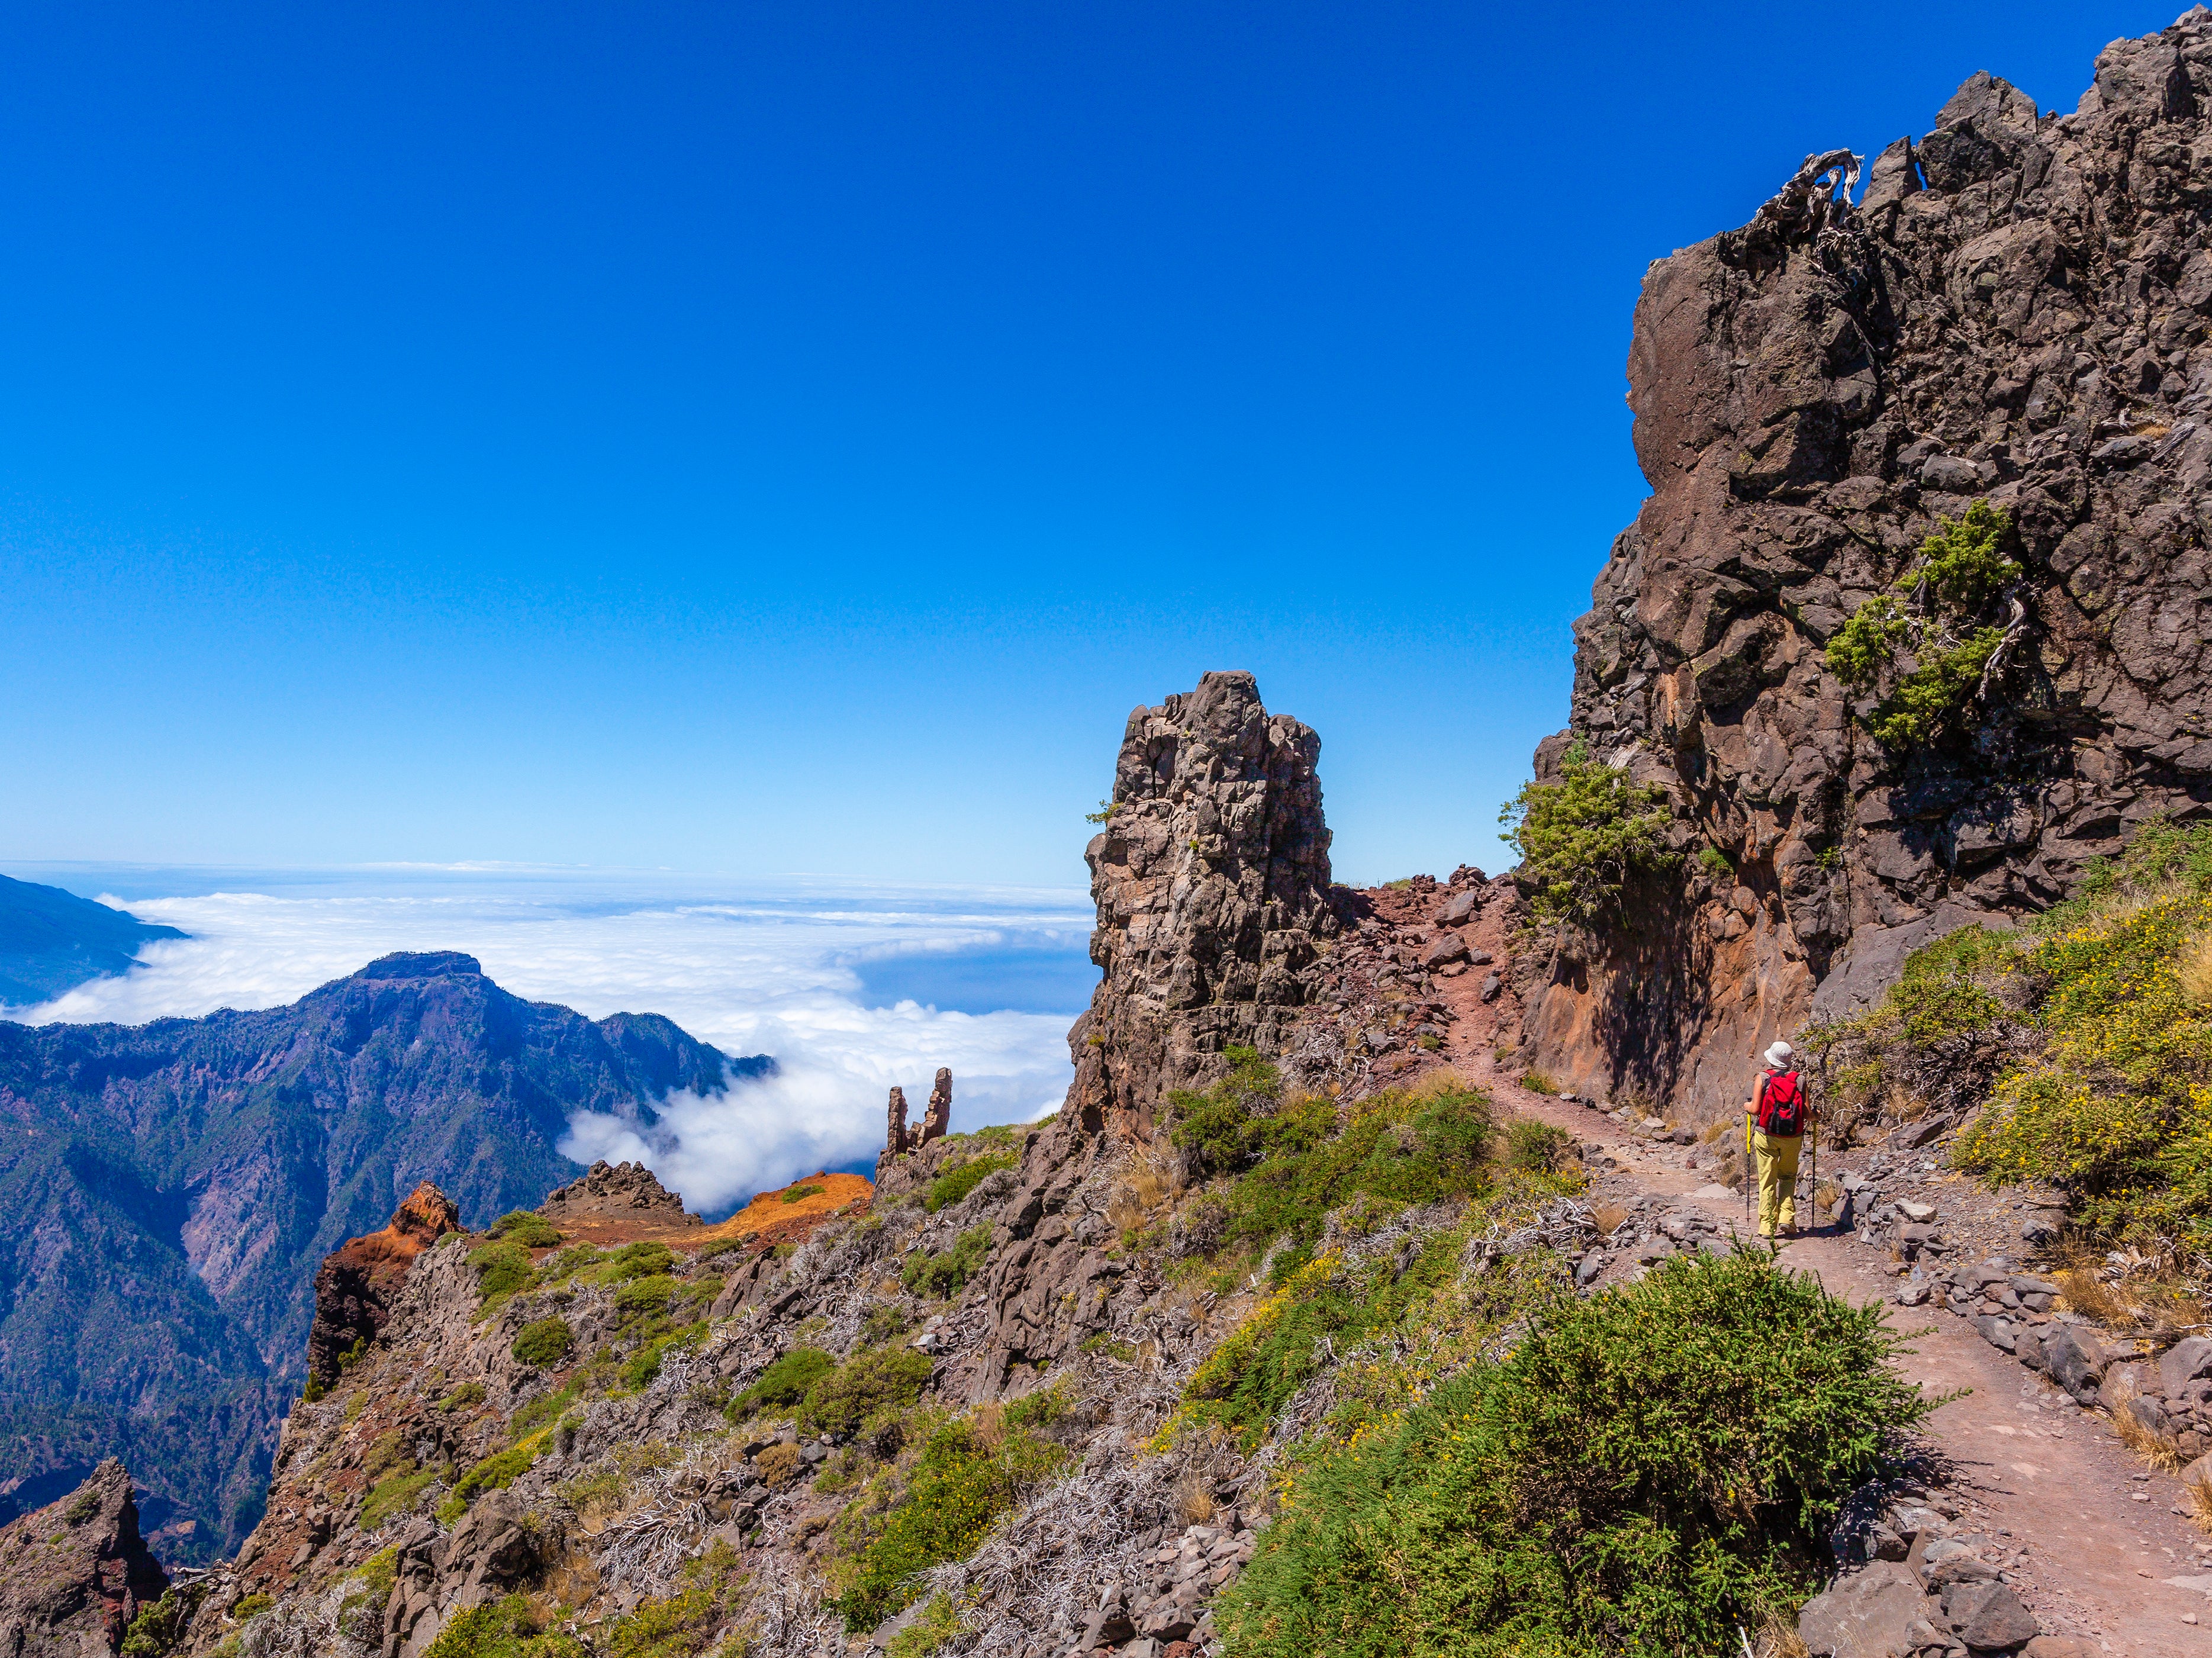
(173, 1187)
(1212, 880)
(358, 1281)
(2018, 312)
(75, 1575)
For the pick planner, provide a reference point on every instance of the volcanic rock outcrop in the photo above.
(355, 1284)
(75, 1573)
(620, 1190)
(936, 1117)
(1212, 880)
(2019, 312)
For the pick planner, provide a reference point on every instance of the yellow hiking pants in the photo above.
(1777, 1178)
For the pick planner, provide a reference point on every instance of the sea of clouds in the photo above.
(851, 987)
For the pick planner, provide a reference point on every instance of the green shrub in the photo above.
(251, 1606)
(947, 1274)
(159, 1629)
(955, 1184)
(642, 1366)
(1935, 691)
(501, 1629)
(1958, 571)
(960, 1486)
(1582, 838)
(546, 1407)
(683, 1624)
(784, 1383)
(395, 1450)
(938, 1623)
(1715, 862)
(643, 1296)
(394, 1495)
(636, 1260)
(532, 1231)
(1647, 1470)
(795, 1194)
(1295, 1162)
(467, 1393)
(502, 1267)
(544, 1342)
(1537, 1147)
(839, 1401)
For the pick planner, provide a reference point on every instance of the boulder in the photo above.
(2184, 1362)
(1988, 1617)
(1449, 948)
(1868, 1614)
(2075, 1359)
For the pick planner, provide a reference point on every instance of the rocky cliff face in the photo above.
(1212, 885)
(174, 1187)
(2017, 314)
(73, 1574)
(358, 1281)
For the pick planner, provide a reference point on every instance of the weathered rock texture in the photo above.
(74, 1574)
(1212, 885)
(622, 1191)
(939, 1116)
(356, 1282)
(898, 1139)
(2017, 311)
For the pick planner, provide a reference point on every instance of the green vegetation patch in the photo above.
(784, 1383)
(644, 1297)
(1932, 613)
(864, 1384)
(947, 1271)
(1582, 838)
(467, 1393)
(510, 1628)
(544, 1342)
(1294, 1161)
(502, 1267)
(954, 1184)
(796, 1193)
(394, 1495)
(1648, 1470)
(961, 1484)
(532, 1231)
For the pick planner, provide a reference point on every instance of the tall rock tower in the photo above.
(1211, 881)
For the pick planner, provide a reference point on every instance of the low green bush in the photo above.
(647, 1296)
(784, 1383)
(643, 1366)
(636, 1260)
(502, 1267)
(544, 1342)
(839, 1401)
(547, 1408)
(497, 1472)
(946, 1272)
(532, 1231)
(798, 1194)
(960, 1486)
(1537, 1146)
(1294, 1162)
(1649, 1470)
(949, 1187)
(467, 1393)
(251, 1606)
(159, 1629)
(501, 1629)
(392, 1496)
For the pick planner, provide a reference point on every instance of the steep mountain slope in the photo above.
(2017, 317)
(173, 1187)
(1248, 1369)
(51, 941)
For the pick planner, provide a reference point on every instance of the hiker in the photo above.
(1774, 1127)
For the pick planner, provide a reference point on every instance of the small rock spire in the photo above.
(938, 1117)
(896, 1139)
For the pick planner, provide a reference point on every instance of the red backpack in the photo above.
(1780, 1105)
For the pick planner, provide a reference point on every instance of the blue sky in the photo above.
(773, 437)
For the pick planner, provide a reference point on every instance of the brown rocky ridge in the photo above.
(355, 1286)
(75, 1574)
(2019, 312)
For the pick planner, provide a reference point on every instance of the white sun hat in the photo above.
(1779, 1055)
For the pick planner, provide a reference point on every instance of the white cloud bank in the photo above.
(772, 971)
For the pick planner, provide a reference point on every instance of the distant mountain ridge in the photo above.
(173, 1187)
(52, 941)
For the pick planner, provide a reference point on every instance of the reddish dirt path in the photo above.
(2092, 1560)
